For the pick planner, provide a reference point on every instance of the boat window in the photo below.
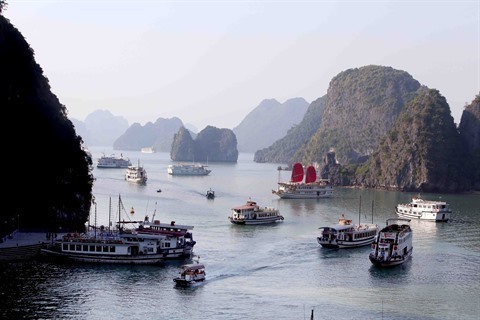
(105, 248)
(99, 248)
(65, 246)
(112, 248)
(71, 247)
(92, 248)
(85, 247)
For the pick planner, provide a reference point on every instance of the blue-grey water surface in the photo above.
(257, 272)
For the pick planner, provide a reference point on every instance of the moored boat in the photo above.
(424, 210)
(347, 235)
(252, 213)
(298, 188)
(393, 244)
(195, 169)
(113, 162)
(148, 243)
(190, 274)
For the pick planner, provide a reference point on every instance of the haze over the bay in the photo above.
(212, 62)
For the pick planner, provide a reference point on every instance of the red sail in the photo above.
(297, 172)
(311, 174)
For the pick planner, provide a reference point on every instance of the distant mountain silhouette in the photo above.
(268, 122)
(158, 135)
(100, 128)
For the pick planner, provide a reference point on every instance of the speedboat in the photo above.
(190, 274)
(393, 244)
(210, 194)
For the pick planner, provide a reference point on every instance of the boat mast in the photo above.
(110, 214)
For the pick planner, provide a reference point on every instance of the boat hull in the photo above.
(435, 217)
(339, 244)
(303, 195)
(137, 259)
(381, 263)
(255, 221)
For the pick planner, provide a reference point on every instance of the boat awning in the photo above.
(187, 267)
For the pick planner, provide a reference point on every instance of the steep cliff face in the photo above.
(470, 135)
(282, 150)
(361, 106)
(50, 180)
(422, 152)
(183, 146)
(211, 145)
(216, 145)
(158, 135)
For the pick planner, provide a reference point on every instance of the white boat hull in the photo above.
(428, 216)
(137, 259)
(255, 221)
(340, 244)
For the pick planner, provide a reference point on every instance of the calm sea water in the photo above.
(257, 272)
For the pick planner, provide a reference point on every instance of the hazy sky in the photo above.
(212, 62)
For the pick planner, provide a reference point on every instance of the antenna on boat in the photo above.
(372, 211)
(359, 209)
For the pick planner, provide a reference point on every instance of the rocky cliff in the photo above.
(50, 180)
(158, 135)
(283, 150)
(422, 151)
(469, 129)
(211, 145)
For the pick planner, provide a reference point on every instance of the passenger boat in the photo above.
(393, 244)
(188, 169)
(190, 274)
(424, 210)
(252, 213)
(210, 194)
(148, 243)
(113, 162)
(298, 188)
(347, 235)
(136, 174)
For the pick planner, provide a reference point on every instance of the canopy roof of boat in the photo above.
(193, 266)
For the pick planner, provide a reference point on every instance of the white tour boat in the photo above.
(347, 235)
(149, 243)
(113, 162)
(190, 274)
(195, 169)
(252, 213)
(393, 244)
(298, 188)
(136, 174)
(424, 210)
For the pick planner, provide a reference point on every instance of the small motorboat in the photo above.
(190, 274)
(210, 194)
